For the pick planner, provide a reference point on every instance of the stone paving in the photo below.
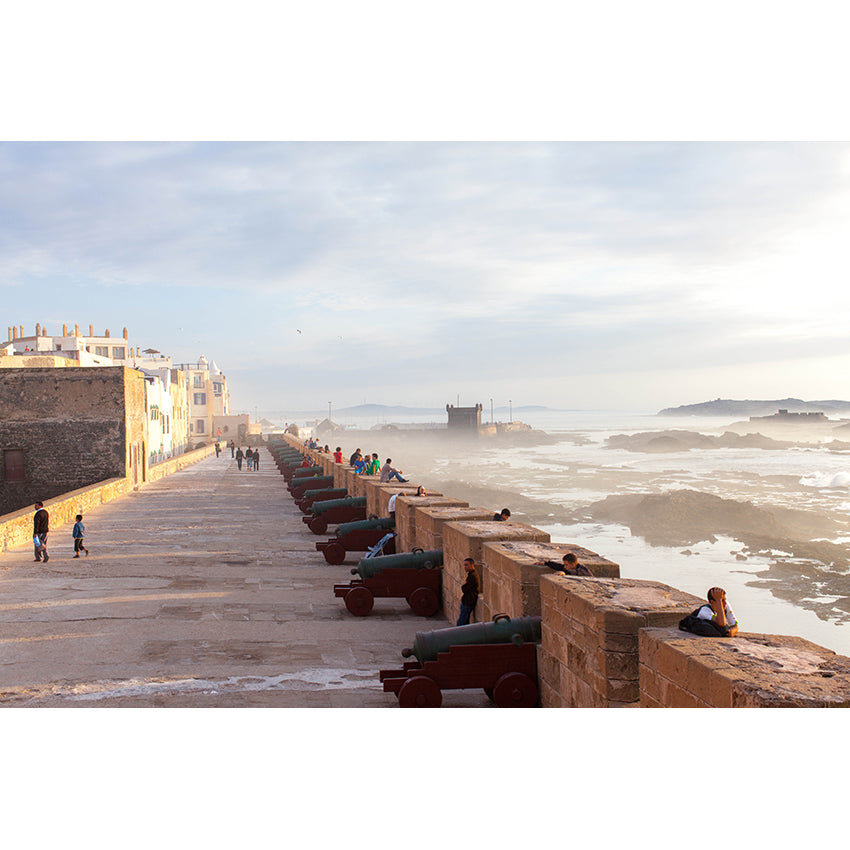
(201, 589)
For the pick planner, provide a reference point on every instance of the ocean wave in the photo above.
(827, 480)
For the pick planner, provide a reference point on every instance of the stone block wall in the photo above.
(465, 539)
(431, 521)
(589, 652)
(406, 508)
(681, 670)
(75, 426)
(382, 493)
(513, 574)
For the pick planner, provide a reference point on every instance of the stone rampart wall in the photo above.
(16, 528)
(606, 641)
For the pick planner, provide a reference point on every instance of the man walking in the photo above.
(40, 528)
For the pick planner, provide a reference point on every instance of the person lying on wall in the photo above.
(569, 566)
(715, 619)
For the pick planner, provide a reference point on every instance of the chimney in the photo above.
(64, 330)
(125, 333)
(76, 330)
(10, 333)
(91, 330)
(22, 331)
(14, 333)
(38, 330)
(107, 332)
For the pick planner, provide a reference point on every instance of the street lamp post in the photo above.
(491, 411)
(511, 409)
(329, 411)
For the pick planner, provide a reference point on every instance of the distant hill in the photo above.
(751, 407)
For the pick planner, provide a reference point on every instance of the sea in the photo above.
(770, 592)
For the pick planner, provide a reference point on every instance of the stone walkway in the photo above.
(202, 589)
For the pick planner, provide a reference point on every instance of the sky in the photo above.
(585, 274)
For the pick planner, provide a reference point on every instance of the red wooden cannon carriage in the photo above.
(414, 576)
(358, 537)
(499, 656)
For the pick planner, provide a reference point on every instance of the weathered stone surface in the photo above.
(75, 426)
(203, 588)
(598, 636)
(405, 515)
(748, 670)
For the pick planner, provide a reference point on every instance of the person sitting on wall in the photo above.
(713, 620)
(353, 459)
(421, 491)
(503, 516)
(338, 455)
(388, 472)
(360, 465)
(373, 465)
(569, 566)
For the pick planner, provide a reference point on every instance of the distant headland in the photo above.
(752, 407)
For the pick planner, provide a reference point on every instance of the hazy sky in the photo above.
(580, 275)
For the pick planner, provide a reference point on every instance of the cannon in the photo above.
(334, 512)
(311, 497)
(414, 576)
(289, 465)
(304, 472)
(300, 486)
(499, 656)
(355, 537)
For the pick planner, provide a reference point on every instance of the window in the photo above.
(200, 428)
(200, 398)
(118, 353)
(199, 381)
(13, 465)
(216, 388)
(101, 350)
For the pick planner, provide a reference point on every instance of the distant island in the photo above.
(751, 407)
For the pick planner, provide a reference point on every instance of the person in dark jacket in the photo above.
(470, 590)
(239, 455)
(503, 516)
(40, 528)
(569, 566)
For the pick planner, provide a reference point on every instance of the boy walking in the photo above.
(78, 534)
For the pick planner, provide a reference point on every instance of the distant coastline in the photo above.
(755, 407)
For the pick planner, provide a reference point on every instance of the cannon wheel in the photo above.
(420, 692)
(318, 525)
(489, 692)
(335, 553)
(359, 601)
(515, 690)
(423, 601)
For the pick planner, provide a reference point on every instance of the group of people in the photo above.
(369, 464)
(250, 456)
